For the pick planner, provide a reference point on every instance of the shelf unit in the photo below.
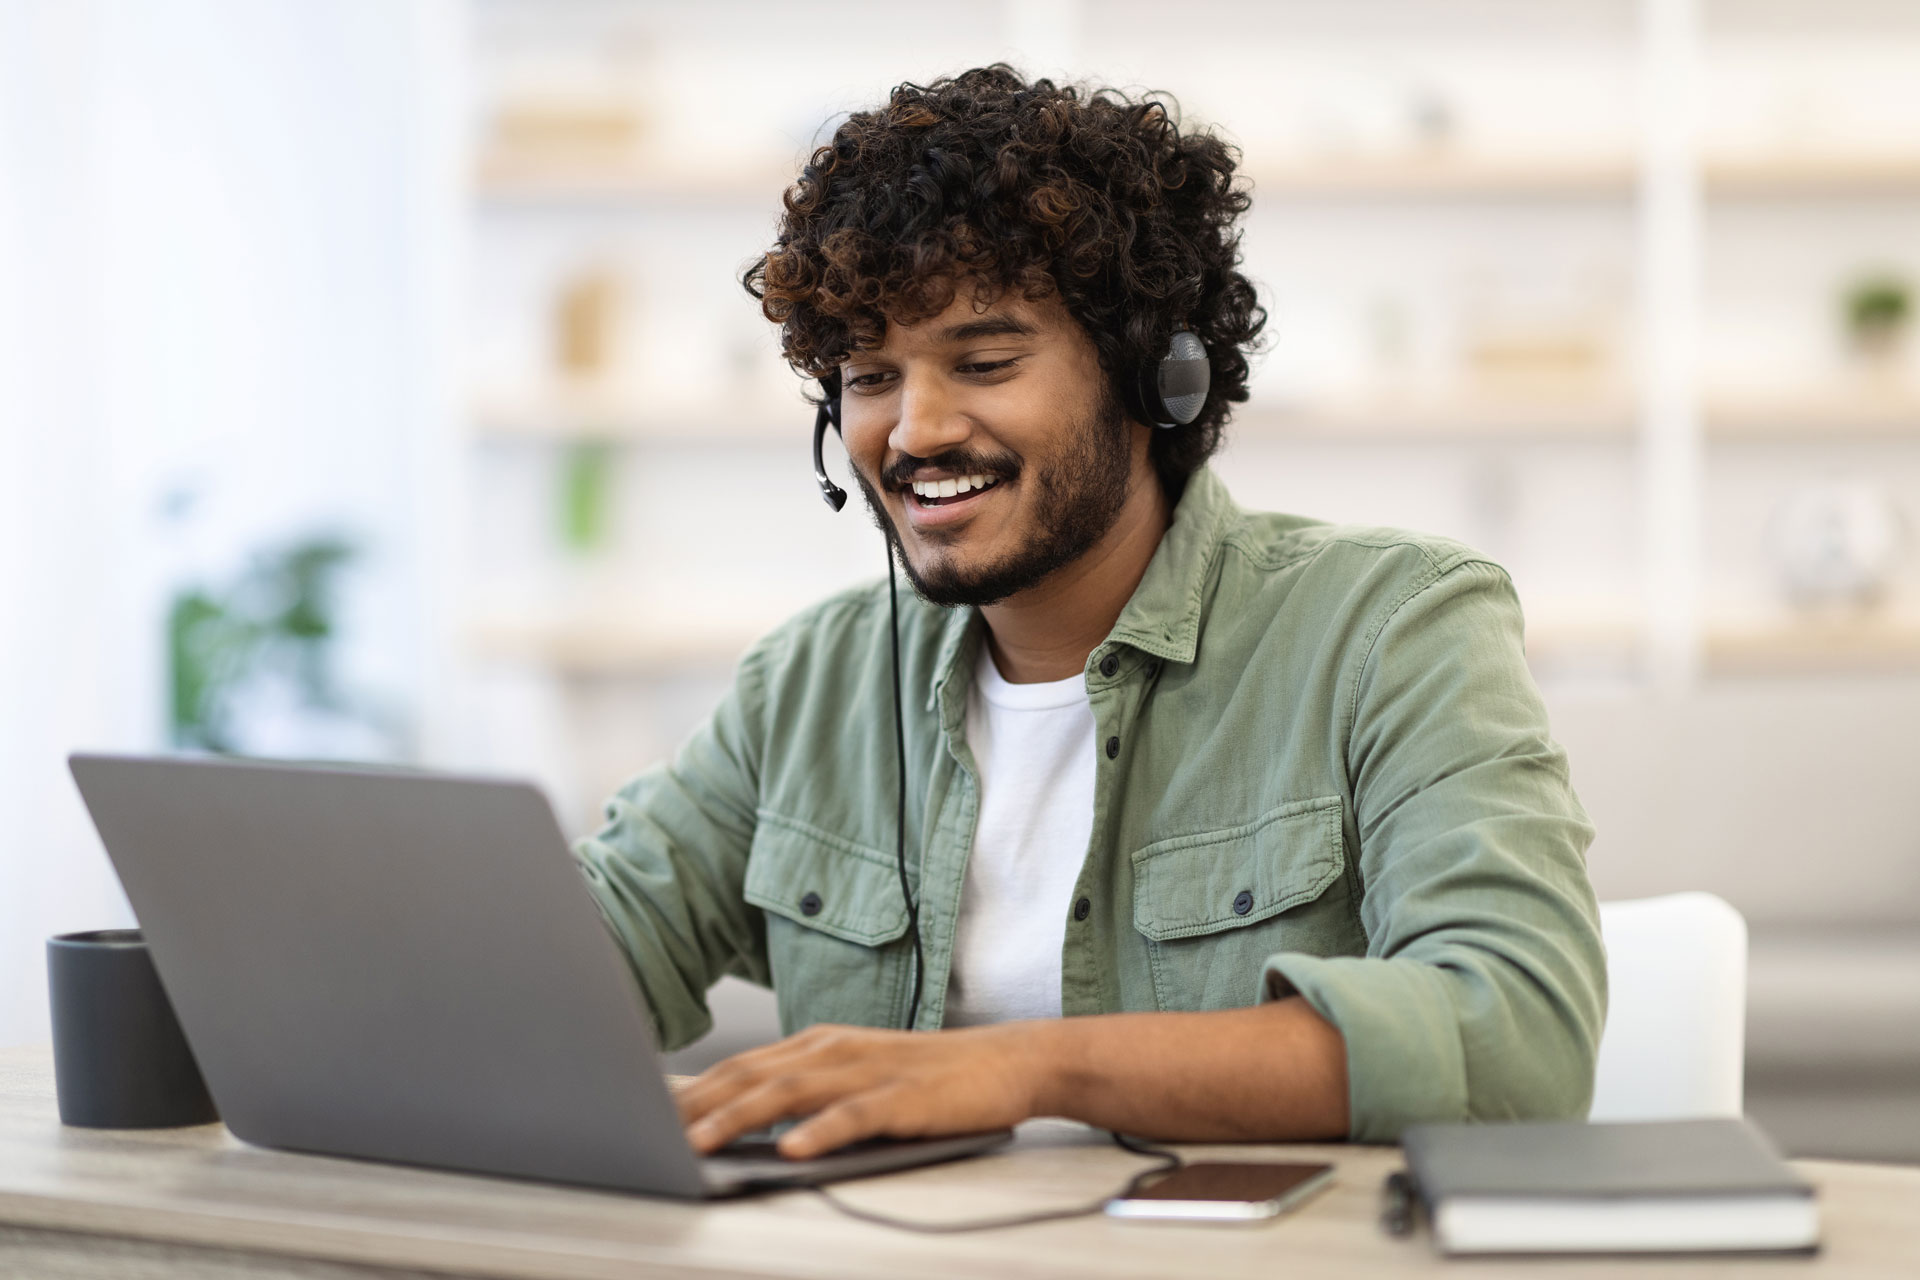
(1668, 181)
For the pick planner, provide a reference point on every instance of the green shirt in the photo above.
(1323, 768)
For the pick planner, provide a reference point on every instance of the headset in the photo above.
(1169, 393)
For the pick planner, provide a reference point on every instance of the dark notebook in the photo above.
(1674, 1186)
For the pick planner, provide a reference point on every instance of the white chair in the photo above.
(1675, 1037)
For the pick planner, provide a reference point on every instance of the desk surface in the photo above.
(184, 1192)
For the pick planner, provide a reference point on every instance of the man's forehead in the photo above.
(968, 318)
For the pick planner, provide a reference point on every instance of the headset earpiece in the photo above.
(1173, 391)
(827, 415)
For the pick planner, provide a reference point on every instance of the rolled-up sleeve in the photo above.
(1483, 990)
(668, 867)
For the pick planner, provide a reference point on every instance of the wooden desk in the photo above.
(197, 1202)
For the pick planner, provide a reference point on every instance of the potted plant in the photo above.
(1878, 312)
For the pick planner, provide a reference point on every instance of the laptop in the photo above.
(408, 967)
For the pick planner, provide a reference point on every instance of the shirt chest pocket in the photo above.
(836, 925)
(1212, 907)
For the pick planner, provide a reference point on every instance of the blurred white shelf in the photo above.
(1802, 416)
(1612, 642)
(509, 180)
(626, 644)
(1833, 174)
(629, 646)
(1815, 416)
(1445, 174)
(581, 420)
(1408, 420)
(617, 644)
(1600, 416)
(513, 180)
(1814, 646)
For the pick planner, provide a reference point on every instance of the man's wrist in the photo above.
(1054, 1049)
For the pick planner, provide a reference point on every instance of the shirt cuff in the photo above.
(1405, 1064)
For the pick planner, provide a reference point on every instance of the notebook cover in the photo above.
(1719, 1157)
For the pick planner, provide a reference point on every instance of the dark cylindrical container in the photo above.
(120, 1060)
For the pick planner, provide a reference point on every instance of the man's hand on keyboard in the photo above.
(857, 1082)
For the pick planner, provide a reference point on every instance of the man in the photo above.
(1266, 808)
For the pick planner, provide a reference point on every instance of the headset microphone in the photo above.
(827, 415)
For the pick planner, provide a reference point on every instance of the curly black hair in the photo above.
(986, 178)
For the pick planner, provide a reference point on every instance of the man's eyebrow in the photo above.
(970, 331)
(987, 327)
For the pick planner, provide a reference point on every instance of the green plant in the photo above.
(1878, 307)
(586, 482)
(277, 613)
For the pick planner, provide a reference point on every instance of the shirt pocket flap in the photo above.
(823, 882)
(1199, 884)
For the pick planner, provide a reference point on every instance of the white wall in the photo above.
(224, 234)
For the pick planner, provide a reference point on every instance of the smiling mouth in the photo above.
(939, 493)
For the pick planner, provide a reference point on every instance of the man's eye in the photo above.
(980, 367)
(866, 381)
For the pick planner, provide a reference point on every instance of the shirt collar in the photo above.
(1162, 617)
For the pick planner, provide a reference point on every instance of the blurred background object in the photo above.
(1617, 290)
(252, 668)
(1838, 547)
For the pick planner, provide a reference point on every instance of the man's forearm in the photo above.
(1275, 1072)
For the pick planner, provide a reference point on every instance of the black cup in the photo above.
(120, 1060)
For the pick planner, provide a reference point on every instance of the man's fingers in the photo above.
(734, 1076)
(778, 1097)
(812, 1049)
(884, 1112)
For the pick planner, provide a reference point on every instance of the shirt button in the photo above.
(1113, 748)
(810, 905)
(1109, 665)
(1082, 909)
(1242, 903)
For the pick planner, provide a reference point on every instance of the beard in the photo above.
(1078, 494)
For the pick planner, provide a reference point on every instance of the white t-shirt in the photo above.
(1033, 746)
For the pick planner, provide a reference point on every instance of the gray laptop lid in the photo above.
(392, 965)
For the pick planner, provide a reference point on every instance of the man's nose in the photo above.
(930, 420)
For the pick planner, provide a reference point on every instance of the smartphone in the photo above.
(1216, 1191)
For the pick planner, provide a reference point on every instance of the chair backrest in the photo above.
(1676, 1009)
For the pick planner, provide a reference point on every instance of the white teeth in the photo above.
(952, 488)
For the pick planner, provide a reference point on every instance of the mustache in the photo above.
(898, 474)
